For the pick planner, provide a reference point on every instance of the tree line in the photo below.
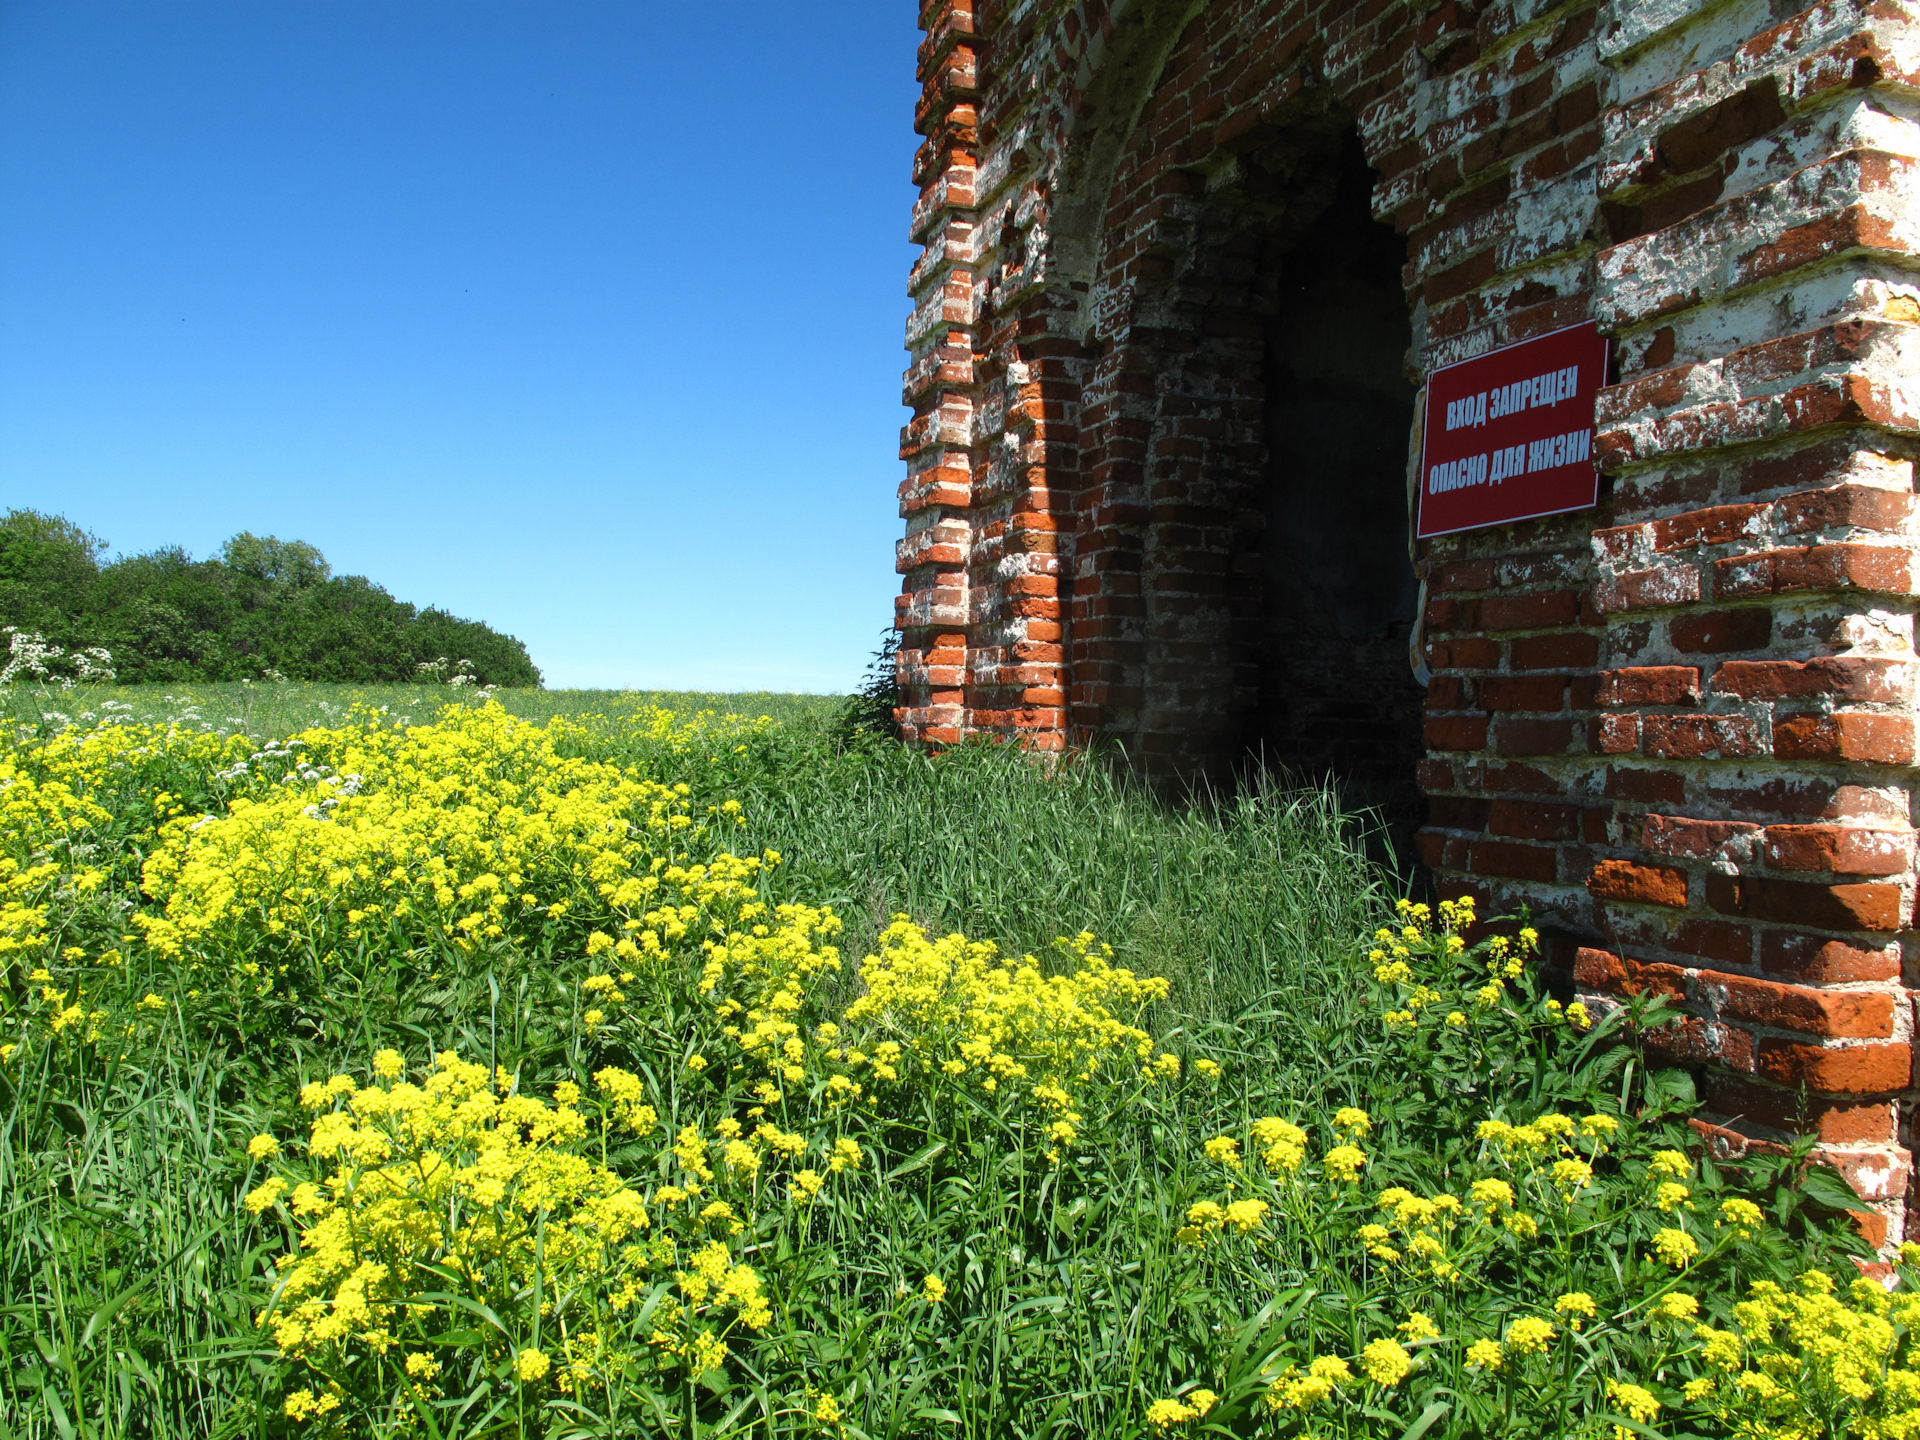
(263, 607)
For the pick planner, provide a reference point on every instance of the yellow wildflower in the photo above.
(1676, 1306)
(1352, 1122)
(1577, 1306)
(1635, 1401)
(1676, 1247)
(1343, 1162)
(1529, 1335)
(1744, 1216)
(530, 1366)
(1418, 1326)
(1223, 1150)
(1385, 1361)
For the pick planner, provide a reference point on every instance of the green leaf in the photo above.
(1428, 1418)
(919, 1160)
(1823, 1186)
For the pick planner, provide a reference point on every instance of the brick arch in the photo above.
(1179, 533)
(1117, 68)
(1680, 728)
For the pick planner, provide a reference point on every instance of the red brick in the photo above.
(1618, 975)
(1531, 820)
(1816, 960)
(1470, 652)
(1693, 1041)
(1842, 1122)
(1696, 737)
(1709, 133)
(1871, 1226)
(1801, 902)
(1519, 862)
(1457, 812)
(1716, 940)
(1575, 650)
(1864, 506)
(1615, 734)
(1462, 575)
(1708, 632)
(1725, 1145)
(1878, 568)
(1598, 970)
(1532, 737)
(1523, 692)
(1456, 732)
(1843, 1014)
(1680, 838)
(1849, 677)
(1519, 780)
(1645, 787)
(1866, 1069)
(1879, 739)
(1634, 884)
(1542, 611)
(1714, 526)
(1647, 589)
(1650, 685)
(1839, 849)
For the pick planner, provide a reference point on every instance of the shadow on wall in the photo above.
(1338, 594)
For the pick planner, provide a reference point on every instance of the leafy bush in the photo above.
(526, 1097)
(266, 606)
(869, 710)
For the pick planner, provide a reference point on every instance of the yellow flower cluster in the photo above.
(1420, 965)
(467, 831)
(954, 1006)
(1163, 1415)
(941, 1011)
(460, 1183)
(1848, 1356)
(56, 795)
(44, 815)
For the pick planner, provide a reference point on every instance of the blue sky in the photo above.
(579, 317)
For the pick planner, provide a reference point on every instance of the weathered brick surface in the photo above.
(1680, 728)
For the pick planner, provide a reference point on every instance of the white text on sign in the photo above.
(1548, 454)
(1548, 388)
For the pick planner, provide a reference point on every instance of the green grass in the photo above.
(266, 710)
(1229, 900)
(122, 1257)
(129, 1272)
(1226, 897)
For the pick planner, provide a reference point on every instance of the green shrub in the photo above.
(264, 607)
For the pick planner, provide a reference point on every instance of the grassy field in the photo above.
(1221, 898)
(777, 1156)
(262, 710)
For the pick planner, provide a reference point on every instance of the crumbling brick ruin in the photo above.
(1187, 265)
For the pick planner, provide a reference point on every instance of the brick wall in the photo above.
(1680, 727)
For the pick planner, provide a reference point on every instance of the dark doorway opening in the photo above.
(1337, 698)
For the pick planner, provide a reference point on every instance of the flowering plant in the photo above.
(716, 1175)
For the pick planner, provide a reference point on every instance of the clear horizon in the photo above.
(582, 321)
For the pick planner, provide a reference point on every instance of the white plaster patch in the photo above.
(1650, 43)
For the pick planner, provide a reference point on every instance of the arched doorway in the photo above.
(1277, 596)
(1338, 593)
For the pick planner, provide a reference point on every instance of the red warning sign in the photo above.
(1509, 434)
